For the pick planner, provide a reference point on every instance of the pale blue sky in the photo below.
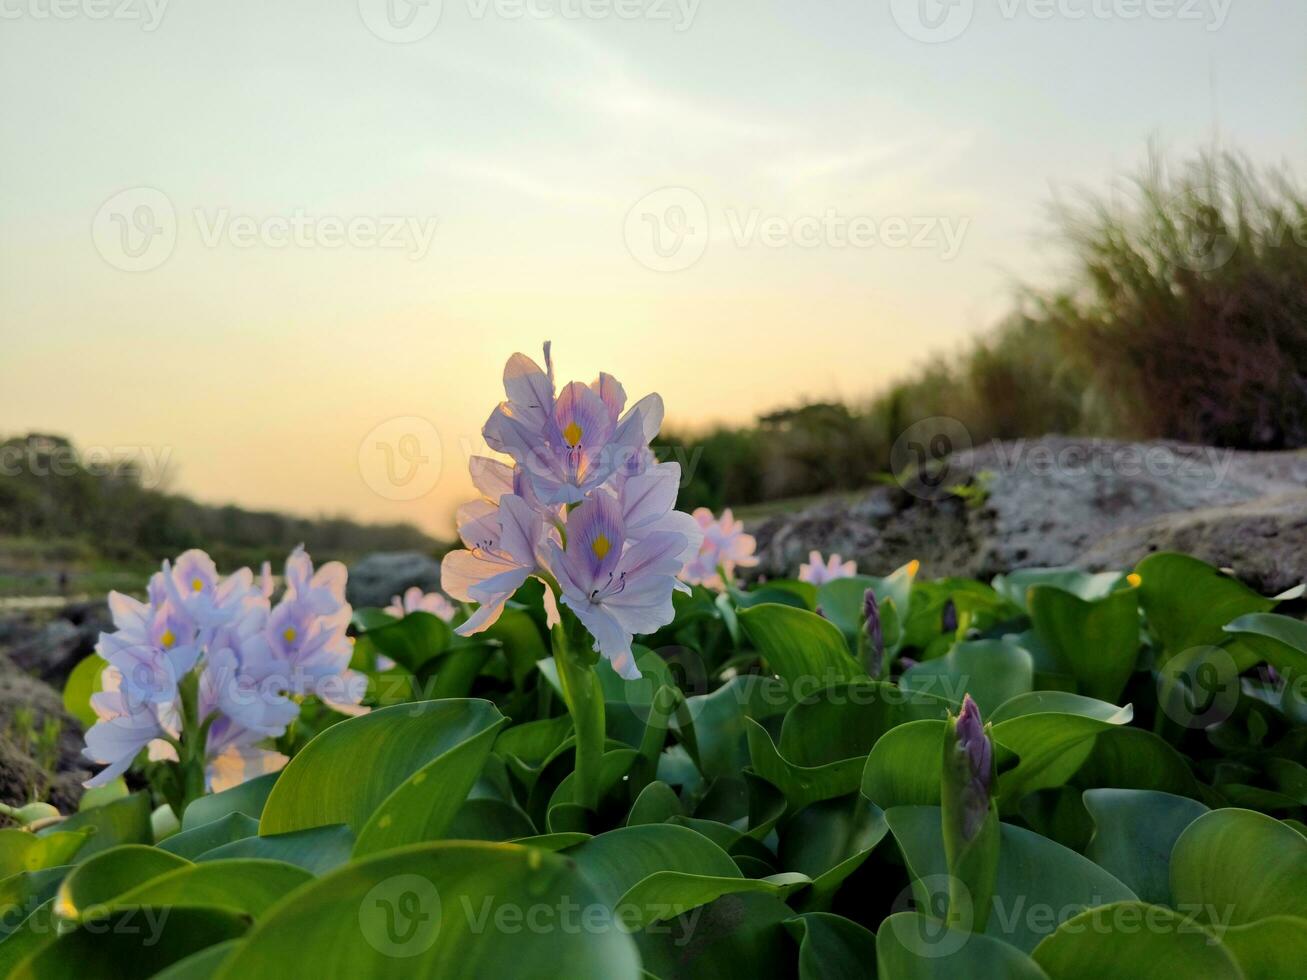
(261, 367)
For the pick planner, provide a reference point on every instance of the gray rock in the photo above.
(24, 774)
(1053, 501)
(377, 578)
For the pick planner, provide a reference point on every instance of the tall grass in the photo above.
(1183, 316)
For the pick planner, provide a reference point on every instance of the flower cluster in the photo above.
(584, 507)
(414, 600)
(819, 571)
(725, 548)
(211, 658)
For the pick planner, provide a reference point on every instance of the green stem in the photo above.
(585, 701)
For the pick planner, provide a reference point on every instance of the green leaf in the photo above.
(1129, 940)
(828, 841)
(109, 874)
(1269, 949)
(411, 641)
(1135, 831)
(846, 720)
(617, 861)
(351, 769)
(1052, 733)
(912, 946)
(800, 646)
(245, 885)
(33, 933)
(83, 681)
(442, 909)
(832, 947)
(134, 942)
(1035, 876)
(316, 850)
(23, 893)
(123, 821)
(248, 798)
(1279, 640)
(801, 785)
(720, 719)
(1015, 586)
(487, 819)
(1188, 601)
(200, 965)
(24, 851)
(656, 803)
(422, 807)
(736, 936)
(115, 789)
(1095, 642)
(1241, 863)
(903, 767)
(190, 844)
(991, 671)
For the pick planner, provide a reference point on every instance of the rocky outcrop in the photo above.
(376, 579)
(1095, 504)
(31, 766)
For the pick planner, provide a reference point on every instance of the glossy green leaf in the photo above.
(83, 681)
(248, 798)
(316, 850)
(903, 769)
(1096, 642)
(1279, 640)
(122, 821)
(134, 942)
(1133, 941)
(104, 877)
(23, 893)
(800, 646)
(912, 946)
(442, 909)
(1268, 949)
(832, 947)
(991, 671)
(351, 769)
(190, 844)
(1244, 864)
(1135, 831)
(846, 720)
(24, 851)
(1038, 879)
(828, 841)
(1015, 586)
(1187, 601)
(801, 785)
(244, 885)
(411, 641)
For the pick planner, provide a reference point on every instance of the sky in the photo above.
(279, 252)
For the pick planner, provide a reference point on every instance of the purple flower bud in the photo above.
(872, 631)
(949, 617)
(977, 752)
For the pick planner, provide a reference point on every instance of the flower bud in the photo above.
(872, 636)
(976, 752)
(969, 815)
(949, 617)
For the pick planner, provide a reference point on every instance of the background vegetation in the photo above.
(1183, 315)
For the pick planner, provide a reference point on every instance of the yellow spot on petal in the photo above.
(601, 547)
(1135, 579)
(167, 640)
(572, 433)
(197, 584)
(289, 634)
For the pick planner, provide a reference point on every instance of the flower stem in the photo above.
(585, 701)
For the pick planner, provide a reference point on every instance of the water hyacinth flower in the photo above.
(209, 657)
(569, 443)
(819, 571)
(578, 455)
(415, 600)
(976, 755)
(724, 548)
(617, 587)
(969, 817)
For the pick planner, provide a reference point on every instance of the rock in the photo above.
(26, 772)
(1090, 503)
(377, 578)
(52, 648)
